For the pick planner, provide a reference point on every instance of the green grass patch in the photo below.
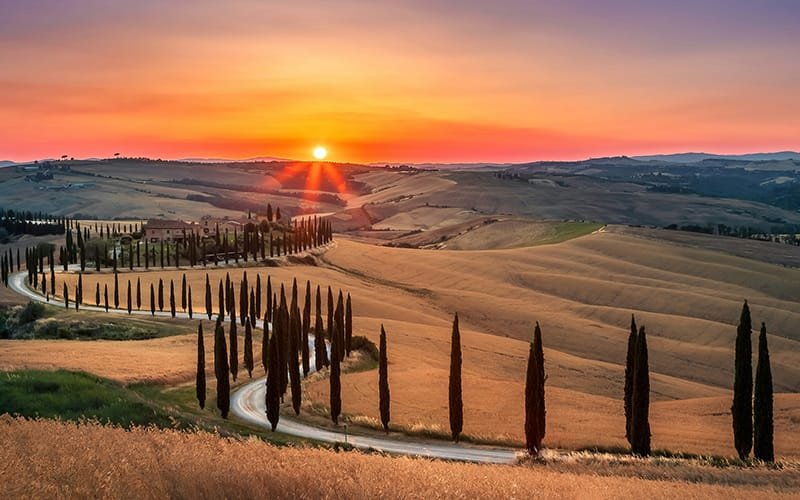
(38, 321)
(75, 396)
(563, 231)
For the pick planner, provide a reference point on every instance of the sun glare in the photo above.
(320, 152)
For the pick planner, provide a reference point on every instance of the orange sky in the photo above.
(381, 81)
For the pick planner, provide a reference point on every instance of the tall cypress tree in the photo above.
(160, 294)
(265, 344)
(66, 296)
(172, 298)
(258, 296)
(152, 300)
(348, 326)
(273, 397)
(456, 402)
(130, 298)
(105, 296)
(252, 308)
(330, 317)
(742, 407)
(183, 293)
(138, 294)
(221, 370)
(339, 318)
(248, 347)
(629, 378)
(234, 363)
(116, 290)
(209, 307)
(200, 384)
(763, 447)
(306, 325)
(335, 378)
(320, 350)
(640, 400)
(243, 299)
(270, 304)
(221, 299)
(383, 382)
(294, 338)
(190, 302)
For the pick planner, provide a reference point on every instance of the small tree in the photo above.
(105, 296)
(172, 298)
(130, 298)
(152, 300)
(116, 290)
(190, 302)
(456, 402)
(183, 293)
(138, 295)
(160, 294)
(763, 447)
(209, 307)
(383, 382)
(200, 385)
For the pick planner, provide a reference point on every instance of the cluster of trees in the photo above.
(286, 344)
(752, 412)
(26, 222)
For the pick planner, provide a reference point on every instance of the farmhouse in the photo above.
(156, 230)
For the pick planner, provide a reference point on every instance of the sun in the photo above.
(320, 152)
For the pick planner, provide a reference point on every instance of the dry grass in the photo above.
(58, 460)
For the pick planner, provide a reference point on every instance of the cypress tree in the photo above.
(138, 294)
(320, 351)
(221, 299)
(270, 304)
(221, 370)
(152, 300)
(265, 344)
(348, 326)
(629, 378)
(763, 447)
(294, 337)
(252, 308)
(105, 296)
(200, 385)
(66, 296)
(339, 318)
(248, 347)
(742, 408)
(234, 363)
(383, 382)
(160, 294)
(336, 383)
(79, 296)
(456, 402)
(273, 397)
(330, 318)
(116, 290)
(130, 298)
(183, 292)
(258, 297)
(172, 298)
(283, 340)
(97, 294)
(534, 395)
(243, 299)
(208, 297)
(640, 400)
(306, 329)
(190, 303)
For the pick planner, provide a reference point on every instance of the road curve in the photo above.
(248, 403)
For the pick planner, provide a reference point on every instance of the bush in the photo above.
(30, 313)
(363, 344)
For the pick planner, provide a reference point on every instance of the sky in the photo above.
(411, 81)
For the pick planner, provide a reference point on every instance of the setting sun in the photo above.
(320, 152)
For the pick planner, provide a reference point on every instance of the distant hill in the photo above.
(228, 160)
(696, 157)
(6, 163)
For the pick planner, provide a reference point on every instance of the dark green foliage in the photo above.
(742, 407)
(348, 326)
(763, 446)
(221, 302)
(183, 292)
(105, 296)
(152, 300)
(629, 378)
(190, 303)
(320, 351)
(456, 403)
(248, 347)
(200, 384)
(234, 346)
(172, 298)
(306, 329)
(221, 370)
(116, 290)
(265, 344)
(160, 294)
(138, 294)
(130, 298)
(209, 306)
(335, 378)
(535, 413)
(640, 400)
(329, 330)
(273, 396)
(294, 338)
(383, 382)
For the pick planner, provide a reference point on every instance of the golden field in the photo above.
(49, 459)
(583, 292)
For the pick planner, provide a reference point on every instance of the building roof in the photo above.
(166, 224)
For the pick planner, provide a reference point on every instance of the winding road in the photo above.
(248, 403)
